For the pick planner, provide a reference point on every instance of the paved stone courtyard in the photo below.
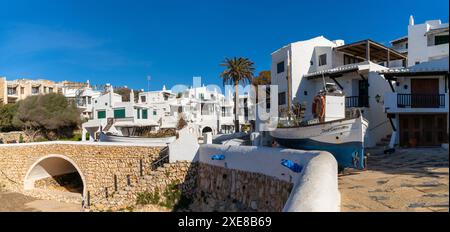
(409, 180)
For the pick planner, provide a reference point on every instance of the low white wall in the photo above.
(185, 148)
(315, 188)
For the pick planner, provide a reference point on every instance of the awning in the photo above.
(371, 50)
(338, 71)
(91, 124)
(430, 68)
(437, 31)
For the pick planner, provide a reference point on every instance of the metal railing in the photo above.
(421, 100)
(357, 101)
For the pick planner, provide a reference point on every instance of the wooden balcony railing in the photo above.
(357, 101)
(421, 100)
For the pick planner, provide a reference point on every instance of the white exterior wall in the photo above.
(302, 53)
(418, 49)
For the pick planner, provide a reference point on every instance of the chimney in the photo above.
(132, 96)
(411, 20)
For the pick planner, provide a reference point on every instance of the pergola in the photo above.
(371, 51)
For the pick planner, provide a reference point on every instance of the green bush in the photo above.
(21, 139)
(146, 198)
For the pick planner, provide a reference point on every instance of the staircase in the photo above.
(110, 122)
(384, 142)
(158, 176)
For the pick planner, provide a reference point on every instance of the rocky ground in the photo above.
(408, 180)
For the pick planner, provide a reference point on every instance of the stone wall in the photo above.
(98, 164)
(8, 137)
(229, 190)
(182, 173)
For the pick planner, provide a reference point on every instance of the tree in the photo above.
(47, 113)
(7, 113)
(238, 71)
(125, 93)
(264, 78)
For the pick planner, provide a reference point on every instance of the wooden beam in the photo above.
(388, 58)
(368, 50)
(337, 83)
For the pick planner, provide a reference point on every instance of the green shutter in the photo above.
(119, 113)
(144, 114)
(101, 114)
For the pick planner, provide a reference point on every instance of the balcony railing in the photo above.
(421, 100)
(357, 101)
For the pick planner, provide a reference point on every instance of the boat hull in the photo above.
(344, 139)
(137, 140)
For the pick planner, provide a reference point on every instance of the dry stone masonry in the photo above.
(101, 166)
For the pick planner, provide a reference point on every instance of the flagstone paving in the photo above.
(409, 180)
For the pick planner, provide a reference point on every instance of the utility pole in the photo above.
(289, 84)
(148, 82)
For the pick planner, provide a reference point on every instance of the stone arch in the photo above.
(52, 165)
(207, 129)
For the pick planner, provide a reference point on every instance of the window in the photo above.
(119, 113)
(154, 112)
(440, 39)
(143, 99)
(323, 59)
(351, 60)
(12, 91)
(45, 89)
(89, 100)
(22, 90)
(282, 98)
(280, 67)
(34, 90)
(50, 90)
(101, 114)
(144, 114)
(138, 113)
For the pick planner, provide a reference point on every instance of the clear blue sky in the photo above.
(121, 42)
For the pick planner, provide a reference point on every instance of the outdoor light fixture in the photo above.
(378, 98)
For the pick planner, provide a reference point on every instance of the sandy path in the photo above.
(16, 202)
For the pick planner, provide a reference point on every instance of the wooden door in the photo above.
(425, 93)
(426, 130)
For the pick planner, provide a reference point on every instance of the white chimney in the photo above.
(411, 20)
(132, 96)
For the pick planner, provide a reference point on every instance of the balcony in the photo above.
(357, 101)
(415, 103)
(421, 100)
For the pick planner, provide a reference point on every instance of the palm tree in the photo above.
(238, 70)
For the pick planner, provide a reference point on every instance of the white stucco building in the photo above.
(352, 67)
(83, 95)
(424, 42)
(418, 104)
(112, 115)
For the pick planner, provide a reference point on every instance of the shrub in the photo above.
(146, 198)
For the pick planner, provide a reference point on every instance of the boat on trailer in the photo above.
(330, 131)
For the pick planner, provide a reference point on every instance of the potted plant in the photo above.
(412, 142)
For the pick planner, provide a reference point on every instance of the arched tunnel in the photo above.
(56, 173)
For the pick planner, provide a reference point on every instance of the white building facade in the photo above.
(352, 68)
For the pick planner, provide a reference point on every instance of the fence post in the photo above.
(140, 168)
(115, 183)
(88, 198)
